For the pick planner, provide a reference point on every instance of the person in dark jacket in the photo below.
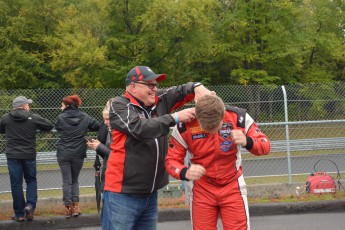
(102, 144)
(20, 127)
(140, 121)
(72, 125)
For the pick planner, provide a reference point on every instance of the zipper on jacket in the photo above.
(157, 146)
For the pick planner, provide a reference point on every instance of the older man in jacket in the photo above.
(140, 121)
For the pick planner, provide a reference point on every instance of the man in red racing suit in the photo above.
(214, 141)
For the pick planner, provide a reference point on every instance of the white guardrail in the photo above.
(276, 146)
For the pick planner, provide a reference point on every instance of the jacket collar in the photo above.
(138, 102)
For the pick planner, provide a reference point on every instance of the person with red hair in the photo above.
(72, 125)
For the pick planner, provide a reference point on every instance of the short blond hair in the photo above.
(210, 111)
(106, 109)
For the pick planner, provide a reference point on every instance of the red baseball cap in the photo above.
(143, 73)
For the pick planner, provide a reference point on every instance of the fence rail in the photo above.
(50, 158)
(307, 144)
(279, 146)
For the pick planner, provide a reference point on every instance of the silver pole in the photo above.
(287, 133)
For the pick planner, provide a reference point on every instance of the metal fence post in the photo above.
(287, 133)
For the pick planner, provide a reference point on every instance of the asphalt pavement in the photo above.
(301, 221)
(170, 215)
(304, 221)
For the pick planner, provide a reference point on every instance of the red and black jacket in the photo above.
(215, 152)
(136, 164)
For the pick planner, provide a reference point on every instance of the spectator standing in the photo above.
(214, 141)
(20, 126)
(102, 144)
(72, 125)
(140, 121)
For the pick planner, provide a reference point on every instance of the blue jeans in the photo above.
(17, 169)
(129, 212)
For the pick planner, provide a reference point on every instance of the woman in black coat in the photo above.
(72, 125)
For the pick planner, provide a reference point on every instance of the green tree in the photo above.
(169, 36)
(324, 54)
(257, 42)
(24, 60)
(77, 50)
(93, 43)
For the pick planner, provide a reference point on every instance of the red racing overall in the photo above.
(222, 190)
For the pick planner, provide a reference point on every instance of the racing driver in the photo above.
(214, 141)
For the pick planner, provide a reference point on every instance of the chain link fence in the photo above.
(304, 123)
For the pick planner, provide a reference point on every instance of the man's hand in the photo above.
(238, 137)
(195, 172)
(200, 91)
(186, 115)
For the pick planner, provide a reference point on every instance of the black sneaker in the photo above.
(29, 213)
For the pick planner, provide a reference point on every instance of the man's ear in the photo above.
(133, 88)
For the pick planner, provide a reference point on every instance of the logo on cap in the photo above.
(143, 73)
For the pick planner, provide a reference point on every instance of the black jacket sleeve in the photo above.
(103, 150)
(102, 133)
(93, 125)
(2, 126)
(42, 123)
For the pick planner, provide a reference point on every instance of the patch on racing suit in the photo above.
(226, 146)
(199, 136)
(197, 129)
(225, 130)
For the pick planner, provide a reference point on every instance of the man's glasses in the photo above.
(150, 85)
